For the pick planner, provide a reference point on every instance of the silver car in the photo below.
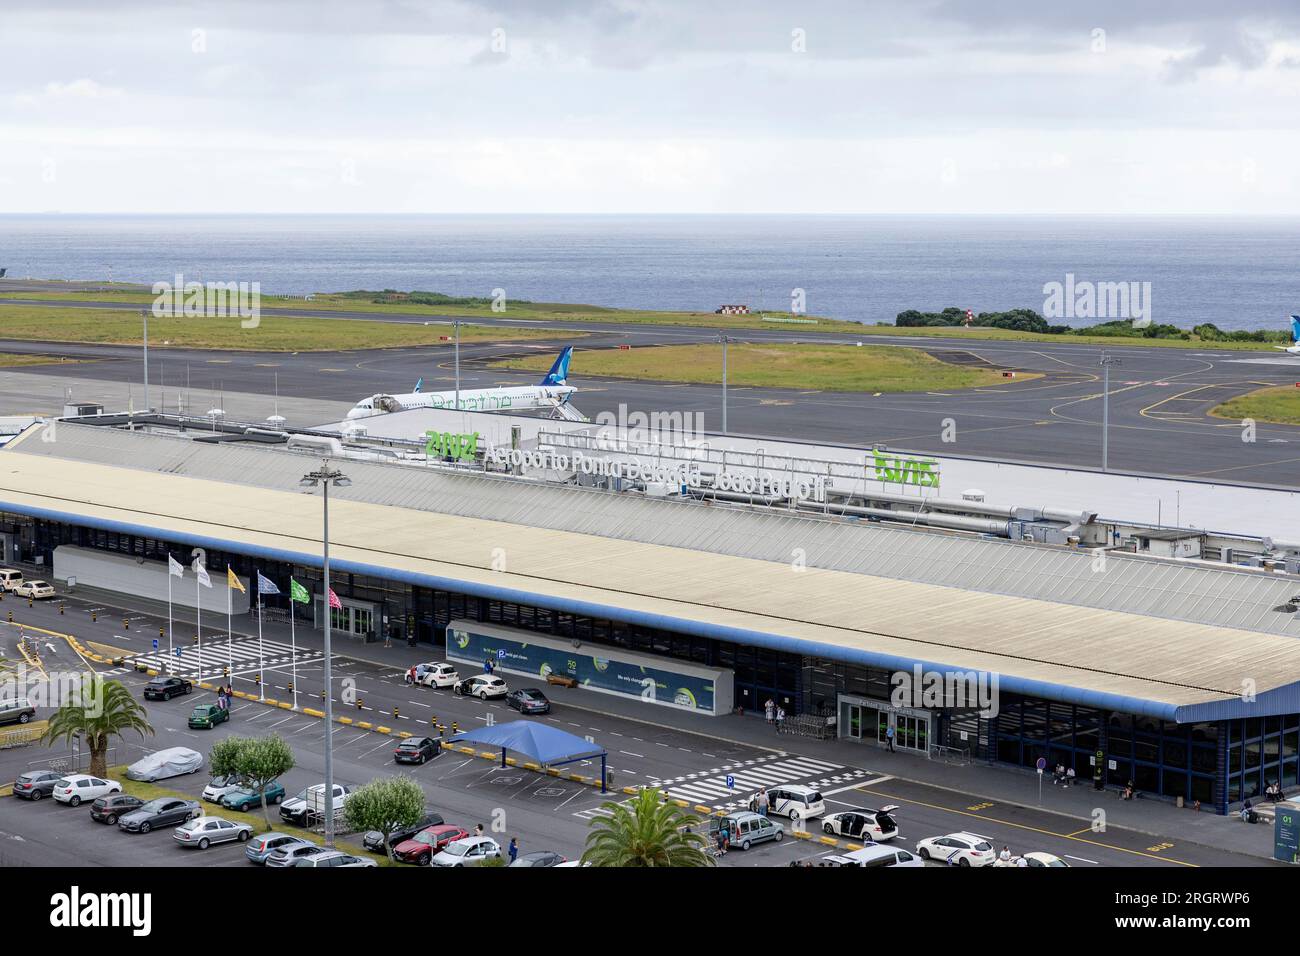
(334, 858)
(205, 831)
(261, 847)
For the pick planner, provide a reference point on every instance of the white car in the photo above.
(35, 589)
(78, 787)
(218, 787)
(792, 800)
(469, 851)
(877, 856)
(482, 686)
(875, 826)
(961, 849)
(202, 832)
(1037, 858)
(436, 675)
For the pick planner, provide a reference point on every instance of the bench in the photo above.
(562, 680)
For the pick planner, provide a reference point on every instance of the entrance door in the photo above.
(912, 733)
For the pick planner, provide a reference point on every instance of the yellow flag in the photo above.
(234, 581)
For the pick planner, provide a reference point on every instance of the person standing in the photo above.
(780, 717)
(889, 737)
(769, 710)
(514, 849)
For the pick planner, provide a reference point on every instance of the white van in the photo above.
(10, 579)
(795, 801)
(877, 855)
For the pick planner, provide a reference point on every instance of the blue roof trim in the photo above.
(1019, 685)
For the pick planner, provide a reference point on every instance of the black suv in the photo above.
(416, 750)
(165, 688)
(374, 840)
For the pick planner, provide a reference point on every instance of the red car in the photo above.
(421, 847)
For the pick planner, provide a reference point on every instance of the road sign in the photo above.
(1041, 764)
(155, 643)
(501, 654)
(731, 782)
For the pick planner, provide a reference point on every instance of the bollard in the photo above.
(126, 625)
(11, 617)
(225, 672)
(290, 687)
(360, 704)
(29, 600)
(433, 721)
(60, 607)
(455, 728)
(94, 616)
(395, 713)
(257, 679)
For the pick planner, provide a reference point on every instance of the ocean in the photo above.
(1239, 273)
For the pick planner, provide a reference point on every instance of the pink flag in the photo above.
(334, 600)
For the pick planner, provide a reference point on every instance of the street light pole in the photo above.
(457, 325)
(1106, 362)
(724, 339)
(325, 476)
(144, 314)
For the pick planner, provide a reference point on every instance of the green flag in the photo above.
(298, 593)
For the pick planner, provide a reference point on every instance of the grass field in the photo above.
(275, 333)
(1279, 405)
(840, 368)
(13, 360)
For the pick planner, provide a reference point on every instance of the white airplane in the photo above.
(1294, 347)
(551, 392)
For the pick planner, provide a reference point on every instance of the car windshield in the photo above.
(458, 849)
(427, 838)
(153, 806)
(223, 781)
(981, 846)
(64, 782)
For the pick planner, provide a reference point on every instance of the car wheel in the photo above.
(925, 854)
(482, 695)
(187, 689)
(424, 860)
(115, 790)
(74, 801)
(794, 816)
(111, 820)
(275, 799)
(23, 718)
(36, 795)
(146, 827)
(204, 843)
(828, 829)
(744, 845)
(780, 835)
(963, 862)
(244, 835)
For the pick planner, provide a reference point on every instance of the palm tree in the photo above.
(101, 711)
(645, 831)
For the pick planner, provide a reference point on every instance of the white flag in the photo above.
(175, 567)
(202, 572)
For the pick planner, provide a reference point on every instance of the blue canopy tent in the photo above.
(548, 746)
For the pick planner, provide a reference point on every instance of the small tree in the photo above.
(100, 711)
(256, 761)
(645, 831)
(385, 804)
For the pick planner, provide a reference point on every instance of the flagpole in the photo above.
(230, 635)
(261, 677)
(170, 652)
(293, 646)
(198, 622)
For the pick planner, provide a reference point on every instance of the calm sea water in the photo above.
(1237, 273)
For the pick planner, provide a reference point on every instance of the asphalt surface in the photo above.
(1159, 397)
(542, 812)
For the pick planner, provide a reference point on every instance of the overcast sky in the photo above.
(915, 106)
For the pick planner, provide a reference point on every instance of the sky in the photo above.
(646, 106)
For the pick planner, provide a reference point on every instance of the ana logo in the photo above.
(75, 909)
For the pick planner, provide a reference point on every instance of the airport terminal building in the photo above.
(1179, 676)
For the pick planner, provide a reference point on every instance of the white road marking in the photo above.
(630, 754)
(1081, 859)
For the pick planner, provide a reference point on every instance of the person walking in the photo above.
(769, 710)
(514, 849)
(889, 737)
(780, 718)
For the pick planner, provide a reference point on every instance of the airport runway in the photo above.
(1159, 397)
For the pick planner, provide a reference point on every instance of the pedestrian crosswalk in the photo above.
(242, 657)
(710, 787)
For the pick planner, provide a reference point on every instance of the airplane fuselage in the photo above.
(471, 400)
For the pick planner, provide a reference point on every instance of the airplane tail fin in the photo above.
(1295, 328)
(418, 386)
(559, 373)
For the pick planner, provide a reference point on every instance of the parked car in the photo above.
(290, 854)
(160, 812)
(792, 800)
(202, 832)
(334, 858)
(874, 825)
(420, 848)
(218, 787)
(108, 809)
(528, 700)
(77, 787)
(35, 784)
(172, 762)
(1037, 858)
(374, 840)
(746, 829)
(877, 855)
(16, 709)
(10, 579)
(295, 810)
(961, 848)
(165, 688)
(246, 798)
(468, 851)
(261, 847)
(540, 858)
(482, 686)
(207, 716)
(416, 750)
(35, 589)
(436, 675)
